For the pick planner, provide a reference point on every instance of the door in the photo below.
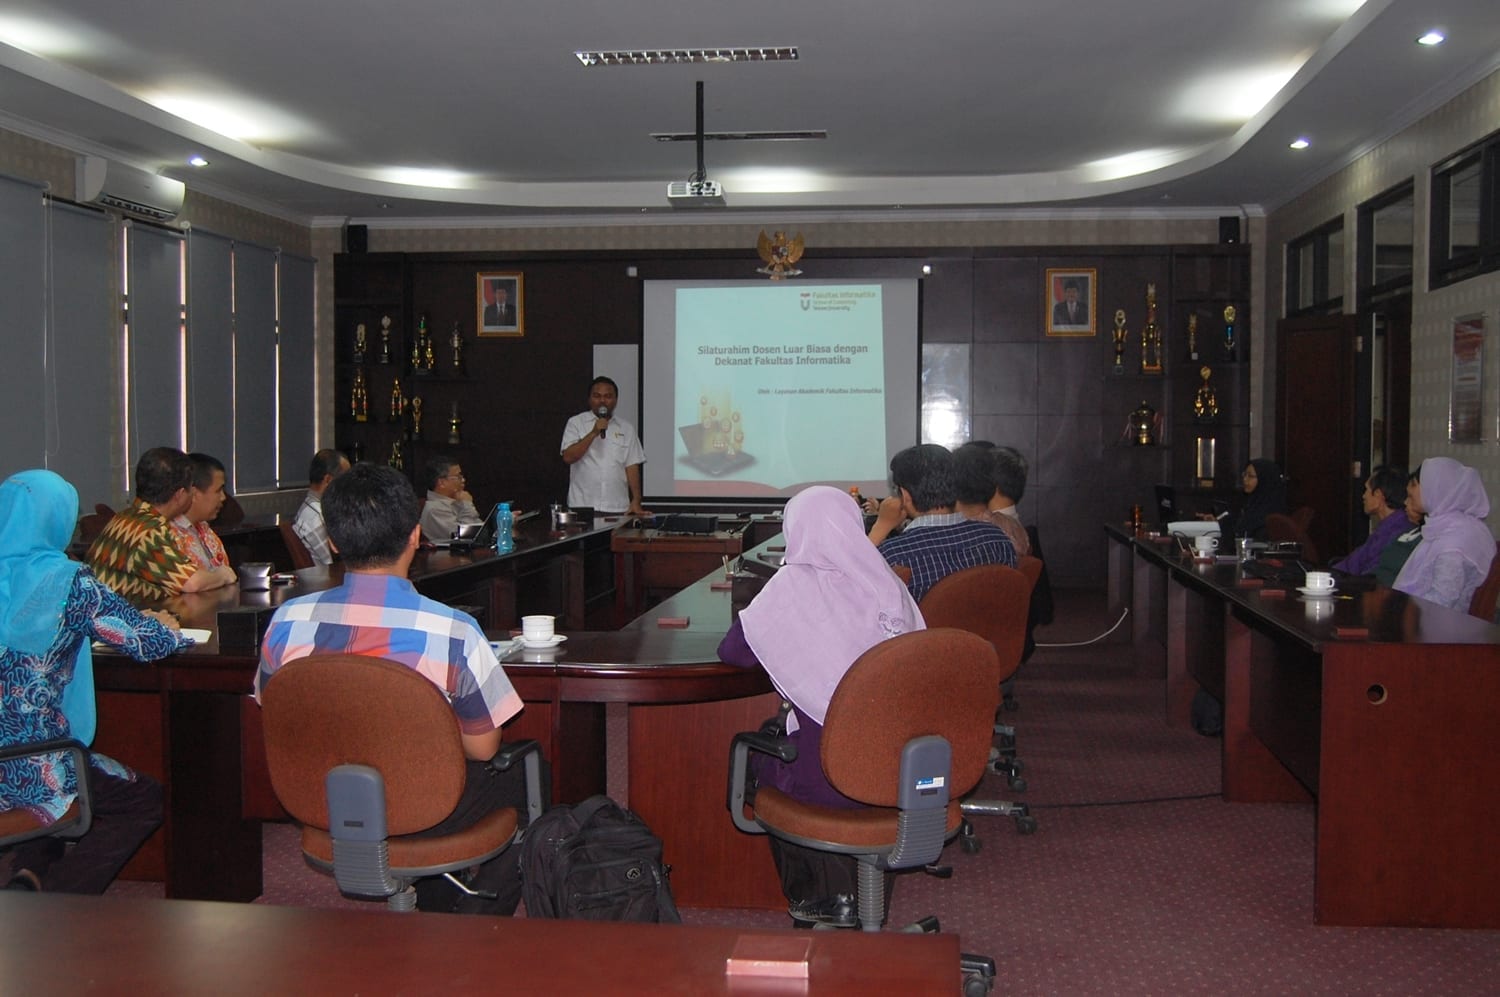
(1316, 377)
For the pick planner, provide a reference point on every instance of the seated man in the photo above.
(448, 501)
(195, 537)
(1385, 504)
(989, 479)
(137, 553)
(936, 541)
(371, 513)
(308, 524)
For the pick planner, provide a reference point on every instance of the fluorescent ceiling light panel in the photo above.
(675, 56)
(1235, 96)
(1432, 38)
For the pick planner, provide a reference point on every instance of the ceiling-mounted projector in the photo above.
(695, 194)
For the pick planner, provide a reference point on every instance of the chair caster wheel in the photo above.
(978, 972)
(1011, 706)
(970, 844)
(928, 925)
(1017, 766)
(1017, 784)
(1026, 824)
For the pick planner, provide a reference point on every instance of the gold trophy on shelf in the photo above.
(359, 397)
(1119, 336)
(456, 340)
(1151, 336)
(1205, 401)
(1193, 337)
(1142, 426)
(1229, 344)
(359, 343)
(416, 418)
(385, 339)
(398, 456)
(429, 357)
(454, 439)
(398, 401)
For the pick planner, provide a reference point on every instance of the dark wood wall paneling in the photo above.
(1054, 399)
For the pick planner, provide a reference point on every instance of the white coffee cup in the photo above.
(1319, 580)
(537, 627)
(1205, 545)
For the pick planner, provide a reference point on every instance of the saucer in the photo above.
(1317, 593)
(552, 641)
(197, 636)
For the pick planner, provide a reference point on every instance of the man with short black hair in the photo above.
(137, 553)
(1384, 501)
(448, 500)
(326, 465)
(371, 512)
(936, 541)
(603, 455)
(195, 537)
(987, 478)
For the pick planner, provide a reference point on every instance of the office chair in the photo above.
(1482, 604)
(1282, 528)
(990, 600)
(364, 753)
(17, 826)
(93, 524)
(906, 733)
(295, 548)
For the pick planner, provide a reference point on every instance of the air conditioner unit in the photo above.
(695, 194)
(115, 185)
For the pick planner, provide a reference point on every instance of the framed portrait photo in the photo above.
(500, 303)
(1069, 302)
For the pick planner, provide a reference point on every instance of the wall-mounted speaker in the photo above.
(1229, 228)
(357, 237)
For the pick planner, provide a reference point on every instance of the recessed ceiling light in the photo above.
(1300, 143)
(670, 56)
(197, 161)
(1433, 37)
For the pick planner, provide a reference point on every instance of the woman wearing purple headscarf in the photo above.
(833, 598)
(1456, 549)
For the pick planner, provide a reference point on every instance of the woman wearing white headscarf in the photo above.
(1456, 549)
(833, 598)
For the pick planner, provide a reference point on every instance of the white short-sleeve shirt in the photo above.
(597, 479)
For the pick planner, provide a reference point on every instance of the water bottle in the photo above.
(505, 542)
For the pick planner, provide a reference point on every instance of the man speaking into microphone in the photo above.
(603, 455)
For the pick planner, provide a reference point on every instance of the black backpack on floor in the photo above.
(595, 861)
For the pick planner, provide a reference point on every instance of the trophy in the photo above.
(1229, 332)
(1193, 337)
(1151, 336)
(414, 362)
(359, 397)
(1143, 425)
(416, 418)
(1119, 336)
(354, 451)
(398, 401)
(429, 358)
(454, 439)
(359, 343)
(1205, 402)
(398, 458)
(385, 339)
(456, 340)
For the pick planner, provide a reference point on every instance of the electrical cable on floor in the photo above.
(1123, 803)
(1093, 640)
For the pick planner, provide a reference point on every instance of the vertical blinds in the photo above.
(156, 349)
(23, 301)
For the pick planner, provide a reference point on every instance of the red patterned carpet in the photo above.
(1139, 880)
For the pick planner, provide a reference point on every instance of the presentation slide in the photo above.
(759, 389)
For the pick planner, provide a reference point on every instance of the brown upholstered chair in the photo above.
(17, 826)
(1293, 529)
(907, 733)
(90, 526)
(232, 514)
(295, 548)
(1483, 603)
(364, 753)
(990, 600)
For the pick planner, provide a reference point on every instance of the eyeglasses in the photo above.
(452, 477)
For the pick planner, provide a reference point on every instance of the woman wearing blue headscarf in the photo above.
(51, 609)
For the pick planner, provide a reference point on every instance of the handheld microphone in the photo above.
(602, 411)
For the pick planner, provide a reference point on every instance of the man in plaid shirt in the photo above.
(371, 513)
(308, 524)
(936, 541)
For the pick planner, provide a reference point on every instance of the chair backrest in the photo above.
(90, 526)
(336, 709)
(990, 600)
(295, 548)
(1031, 567)
(1483, 603)
(938, 681)
(231, 514)
(1281, 528)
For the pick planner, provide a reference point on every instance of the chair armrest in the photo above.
(739, 770)
(530, 751)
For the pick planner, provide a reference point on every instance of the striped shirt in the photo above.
(383, 616)
(936, 545)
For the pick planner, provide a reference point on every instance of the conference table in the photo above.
(1377, 706)
(68, 944)
(190, 721)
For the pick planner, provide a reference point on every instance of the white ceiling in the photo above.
(324, 110)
